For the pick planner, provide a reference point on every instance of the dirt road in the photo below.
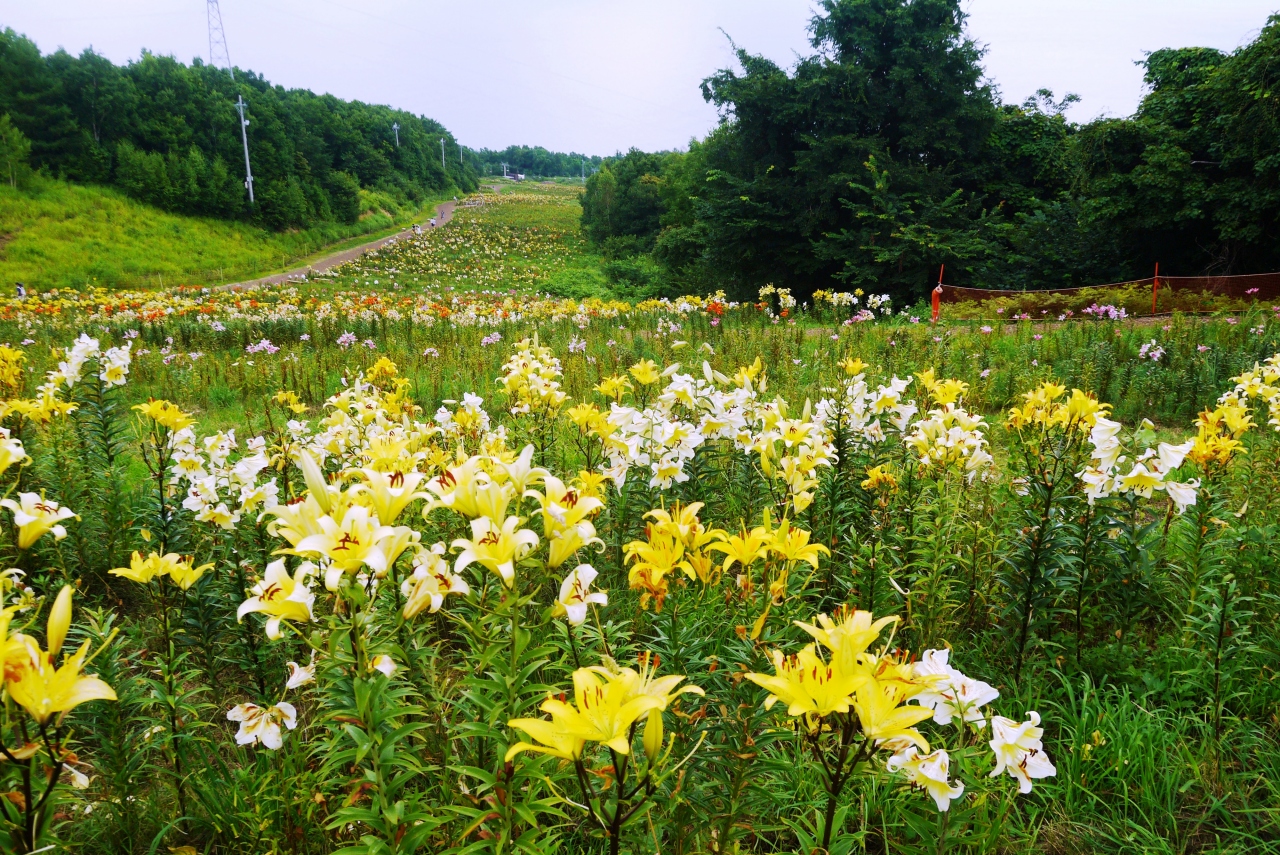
(444, 213)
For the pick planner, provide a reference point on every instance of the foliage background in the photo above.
(885, 154)
(167, 134)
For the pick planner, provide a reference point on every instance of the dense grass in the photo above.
(54, 234)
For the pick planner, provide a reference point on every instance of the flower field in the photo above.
(418, 558)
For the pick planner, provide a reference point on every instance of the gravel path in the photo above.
(444, 213)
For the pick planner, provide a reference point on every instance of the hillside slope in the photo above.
(54, 234)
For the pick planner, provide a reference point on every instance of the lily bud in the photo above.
(316, 482)
(59, 620)
(653, 735)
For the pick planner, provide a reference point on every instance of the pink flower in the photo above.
(1251, 291)
(985, 330)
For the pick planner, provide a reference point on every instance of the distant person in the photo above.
(22, 291)
(433, 222)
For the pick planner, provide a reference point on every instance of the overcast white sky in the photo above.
(598, 76)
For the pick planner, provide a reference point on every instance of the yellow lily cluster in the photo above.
(1218, 433)
(942, 392)
(166, 414)
(607, 705)
(792, 449)
(531, 380)
(179, 569)
(838, 673)
(1046, 408)
(675, 540)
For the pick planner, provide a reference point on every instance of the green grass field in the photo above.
(59, 235)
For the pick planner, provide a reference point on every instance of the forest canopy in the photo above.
(886, 154)
(168, 134)
(535, 162)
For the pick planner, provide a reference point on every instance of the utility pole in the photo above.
(442, 166)
(584, 172)
(395, 126)
(219, 56)
(244, 137)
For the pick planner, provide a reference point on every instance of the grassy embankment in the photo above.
(54, 234)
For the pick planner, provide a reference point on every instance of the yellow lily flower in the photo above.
(281, 597)
(791, 544)
(497, 547)
(12, 452)
(614, 387)
(742, 549)
(555, 737)
(389, 493)
(1140, 481)
(180, 570)
(849, 635)
(43, 690)
(948, 391)
(880, 478)
(35, 516)
(430, 582)
(645, 372)
(313, 475)
(646, 683)
(165, 414)
(882, 718)
(564, 543)
(852, 366)
(348, 543)
(654, 559)
(808, 685)
(563, 506)
(603, 710)
(296, 520)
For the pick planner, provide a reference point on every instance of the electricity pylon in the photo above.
(219, 56)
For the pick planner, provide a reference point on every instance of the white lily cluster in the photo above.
(1147, 474)
(113, 363)
(221, 491)
(960, 700)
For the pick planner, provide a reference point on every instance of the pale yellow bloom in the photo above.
(35, 516)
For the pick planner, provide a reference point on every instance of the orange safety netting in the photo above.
(1259, 286)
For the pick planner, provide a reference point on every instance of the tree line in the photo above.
(535, 162)
(168, 134)
(886, 154)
